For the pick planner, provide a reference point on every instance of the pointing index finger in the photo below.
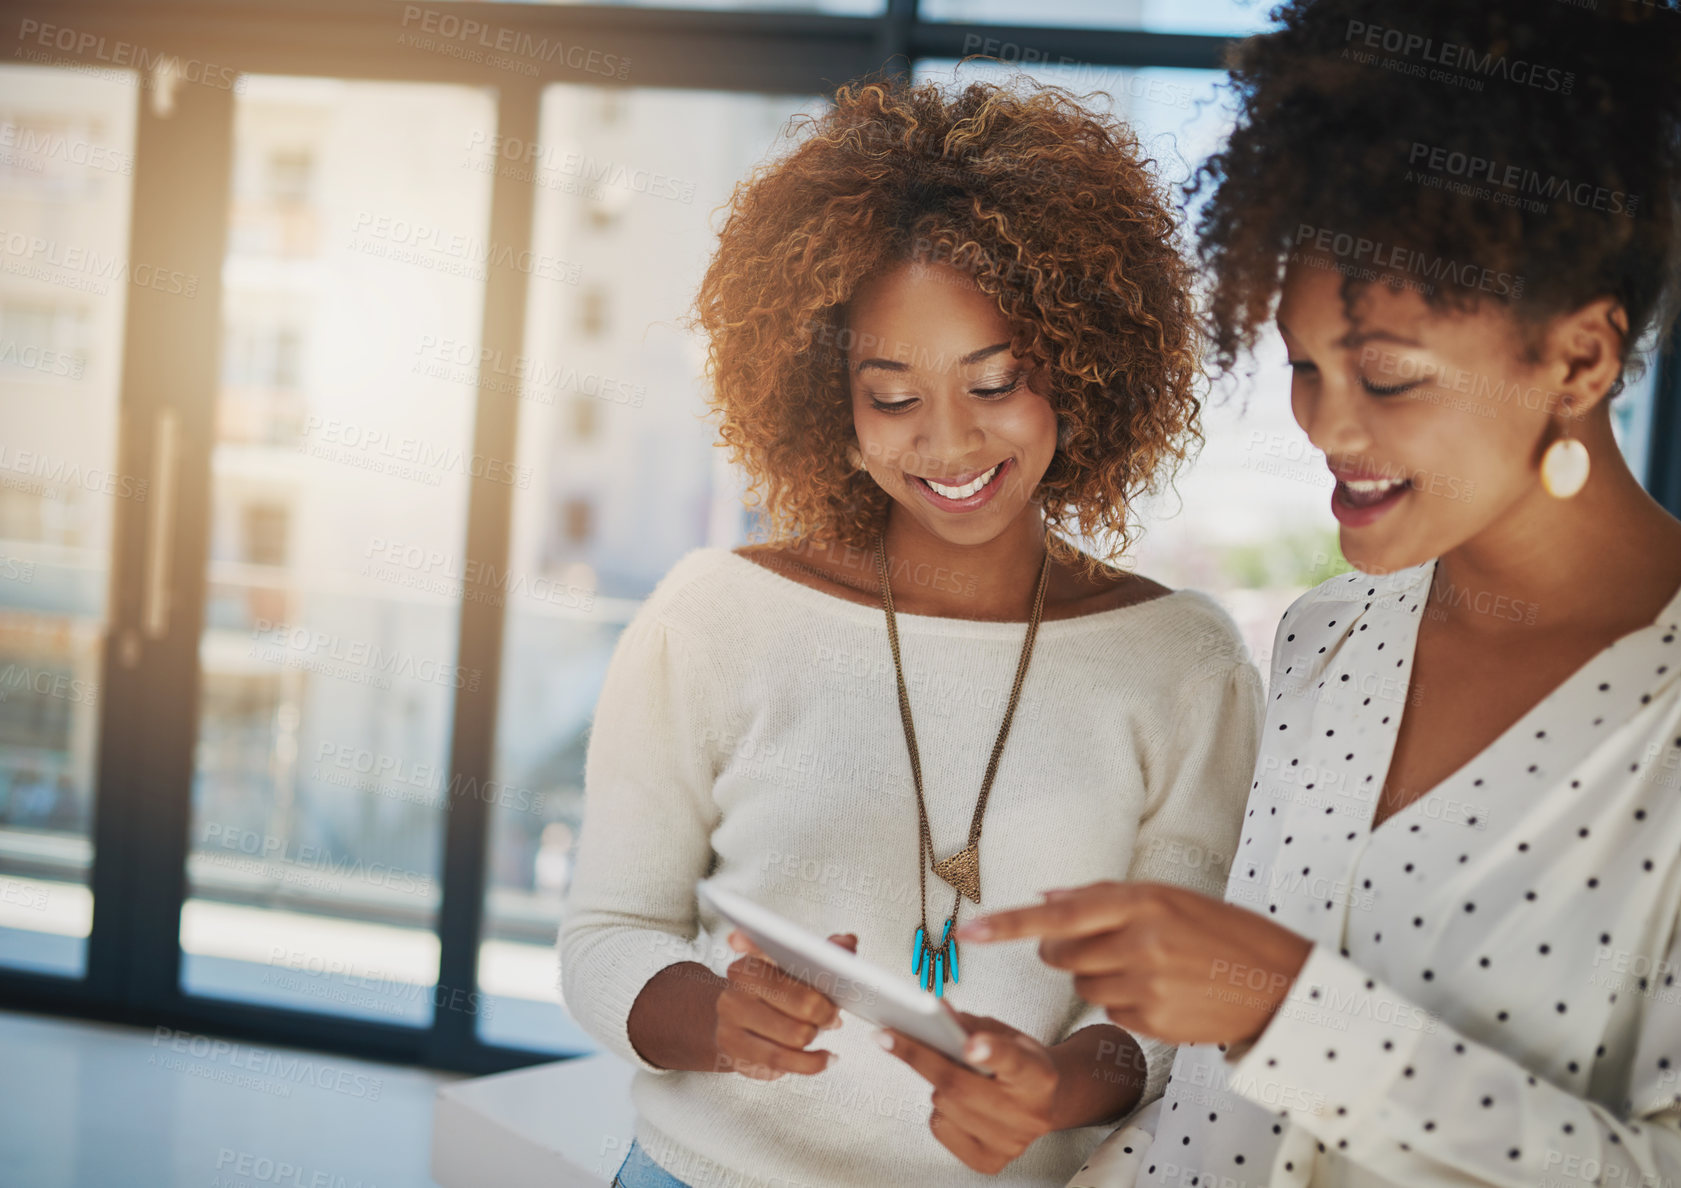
(1082, 912)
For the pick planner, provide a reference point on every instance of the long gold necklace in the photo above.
(934, 964)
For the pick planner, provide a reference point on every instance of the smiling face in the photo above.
(951, 424)
(1433, 422)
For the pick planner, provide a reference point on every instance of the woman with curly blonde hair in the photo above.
(948, 333)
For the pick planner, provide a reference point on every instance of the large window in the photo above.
(66, 155)
(624, 476)
(328, 662)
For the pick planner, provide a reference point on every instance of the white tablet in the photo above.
(852, 983)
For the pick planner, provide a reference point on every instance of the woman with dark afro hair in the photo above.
(950, 332)
(1449, 946)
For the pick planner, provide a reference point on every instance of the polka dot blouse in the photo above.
(1492, 996)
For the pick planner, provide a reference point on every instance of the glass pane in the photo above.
(624, 476)
(357, 240)
(66, 145)
(1631, 418)
(1231, 18)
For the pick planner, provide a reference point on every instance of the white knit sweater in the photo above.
(748, 730)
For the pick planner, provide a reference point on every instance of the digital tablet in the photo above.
(852, 983)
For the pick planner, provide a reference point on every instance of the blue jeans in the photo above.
(639, 1171)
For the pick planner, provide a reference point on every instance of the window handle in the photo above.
(160, 534)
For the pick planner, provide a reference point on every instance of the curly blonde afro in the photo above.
(1049, 207)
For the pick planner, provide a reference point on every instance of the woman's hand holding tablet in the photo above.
(838, 975)
(996, 1089)
(986, 1120)
(766, 1017)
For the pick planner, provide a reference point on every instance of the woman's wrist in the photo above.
(1101, 1072)
(674, 1021)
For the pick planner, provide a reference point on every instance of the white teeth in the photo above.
(1371, 486)
(967, 489)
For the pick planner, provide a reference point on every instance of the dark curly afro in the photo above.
(1050, 208)
(1520, 151)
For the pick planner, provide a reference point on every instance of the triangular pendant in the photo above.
(963, 871)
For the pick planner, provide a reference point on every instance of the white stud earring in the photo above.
(854, 457)
(1564, 467)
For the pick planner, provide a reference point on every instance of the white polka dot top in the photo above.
(1492, 994)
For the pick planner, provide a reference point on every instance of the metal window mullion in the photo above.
(766, 52)
(1031, 46)
(893, 47)
(171, 341)
(489, 525)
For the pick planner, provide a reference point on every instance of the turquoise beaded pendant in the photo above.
(934, 964)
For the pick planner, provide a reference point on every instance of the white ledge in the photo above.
(562, 1125)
